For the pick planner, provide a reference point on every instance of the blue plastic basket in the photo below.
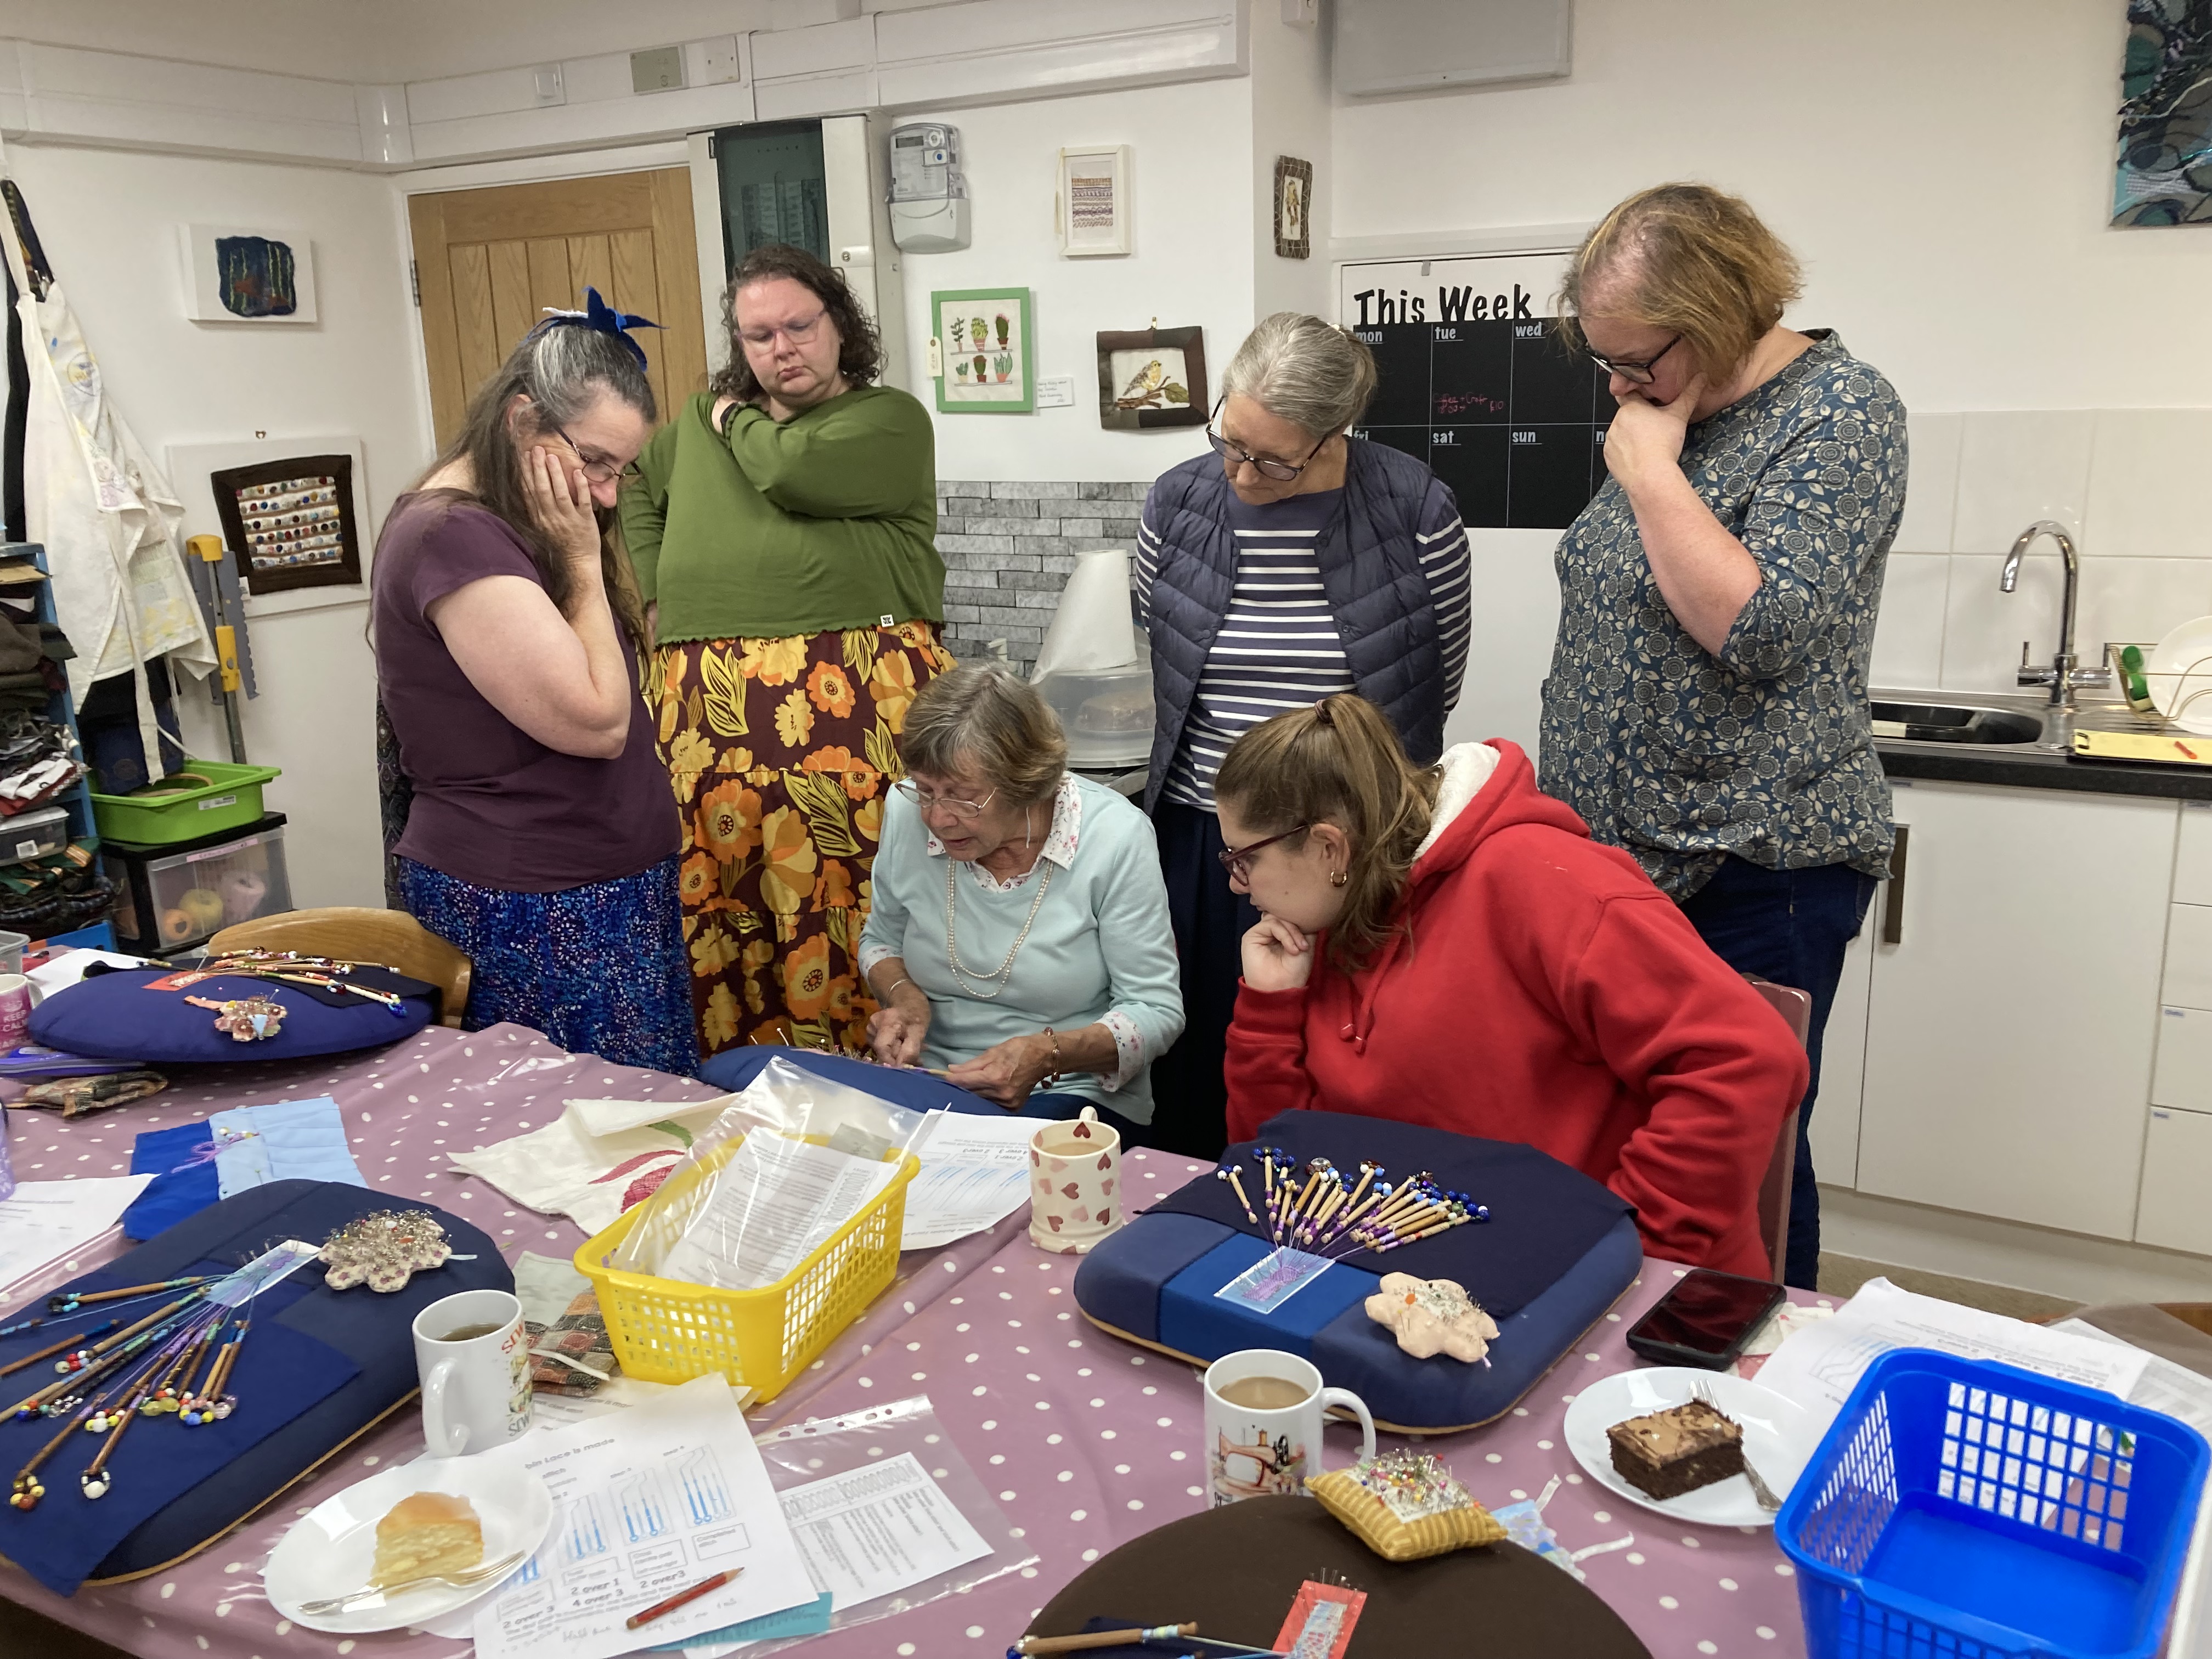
(1963, 1509)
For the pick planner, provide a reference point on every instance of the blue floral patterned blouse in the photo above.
(1765, 751)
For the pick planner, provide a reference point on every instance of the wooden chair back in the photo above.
(1795, 1008)
(353, 933)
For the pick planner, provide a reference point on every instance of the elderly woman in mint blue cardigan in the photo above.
(1017, 938)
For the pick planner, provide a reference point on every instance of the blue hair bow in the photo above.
(599, 314)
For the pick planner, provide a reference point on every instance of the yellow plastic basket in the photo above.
(666, 1331)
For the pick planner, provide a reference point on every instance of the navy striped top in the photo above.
(1279, 648)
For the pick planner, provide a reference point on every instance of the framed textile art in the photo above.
(2164, 175)
(1152, 377)
(981, 351)
(290, 522)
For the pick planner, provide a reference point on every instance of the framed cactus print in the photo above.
(981, 351)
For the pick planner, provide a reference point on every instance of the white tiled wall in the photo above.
(2128, 485)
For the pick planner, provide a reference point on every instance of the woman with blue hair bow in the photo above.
(540, 837)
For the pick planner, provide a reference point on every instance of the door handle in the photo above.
(1892, 907)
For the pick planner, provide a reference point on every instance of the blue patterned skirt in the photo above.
(599, 969)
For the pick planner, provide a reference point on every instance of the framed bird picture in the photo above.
(980, 353)
(1152, 377)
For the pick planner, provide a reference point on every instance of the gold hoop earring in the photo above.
(1340, 878)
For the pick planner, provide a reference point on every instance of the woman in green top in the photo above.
(783, 530)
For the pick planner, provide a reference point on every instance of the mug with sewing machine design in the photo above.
(1264, 1411)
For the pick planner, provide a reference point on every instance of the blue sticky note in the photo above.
(1274, 1279)
(807, 1619)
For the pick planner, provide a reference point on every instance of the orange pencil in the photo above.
(705, 1586)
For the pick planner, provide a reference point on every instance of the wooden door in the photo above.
(488, 261)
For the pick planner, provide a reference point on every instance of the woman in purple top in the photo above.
(541, 838)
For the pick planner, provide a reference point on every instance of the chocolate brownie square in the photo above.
(1677, 1451)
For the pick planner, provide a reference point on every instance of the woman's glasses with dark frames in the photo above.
(598, 469)
(1238, 861)
(1280, 471)
(1627, 367)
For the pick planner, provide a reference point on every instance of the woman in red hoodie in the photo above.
(1449, 947)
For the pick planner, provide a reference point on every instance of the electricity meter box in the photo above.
(928, 196)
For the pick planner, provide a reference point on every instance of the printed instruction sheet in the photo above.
(774, 1201)
(975, 1174)
(647, 1502)
(871, 1531)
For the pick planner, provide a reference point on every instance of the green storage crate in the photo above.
(231, 797)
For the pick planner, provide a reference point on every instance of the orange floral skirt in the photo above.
(780, 752)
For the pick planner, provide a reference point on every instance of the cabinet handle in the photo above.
(1893, 909)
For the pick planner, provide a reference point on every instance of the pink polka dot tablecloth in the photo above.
(404, 1107)
(1086, 1441)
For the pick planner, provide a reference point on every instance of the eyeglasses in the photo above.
(1238, 861)
(1280, 471)
(599, 469)
(1627, 367)
(963, 812)
(760, 339)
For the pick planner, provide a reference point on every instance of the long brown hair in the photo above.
(860, 353)
(1340, 762)
(563, 369)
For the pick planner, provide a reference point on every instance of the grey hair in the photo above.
(1313, 375)
(991, 719)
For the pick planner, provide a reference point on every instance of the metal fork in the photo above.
(461, 1580)
(1702, 1392)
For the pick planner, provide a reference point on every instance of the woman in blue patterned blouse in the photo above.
(1707, 704)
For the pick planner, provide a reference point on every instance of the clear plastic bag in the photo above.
(792, 1158)
(887, 1447)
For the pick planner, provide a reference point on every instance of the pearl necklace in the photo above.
(1002, 973)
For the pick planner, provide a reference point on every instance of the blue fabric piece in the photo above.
(291, 1141)
(1118, 1284)
(1544, 1216)
(368, 1329)
(182, 1162)
(102, 1012)
(1194, 1320)
(599, 969)
(1370, 566)
(1355, 1353)
(807, 1619)
(279, 1374)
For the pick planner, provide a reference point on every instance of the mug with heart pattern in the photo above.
(1075, 1179)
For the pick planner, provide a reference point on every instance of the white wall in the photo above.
(1290, 117)
(1190, 171)
(1945, 171)
(108, 222)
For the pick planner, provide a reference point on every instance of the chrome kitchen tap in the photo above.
(2063, 676)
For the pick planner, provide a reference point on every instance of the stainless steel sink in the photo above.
(1973, 724)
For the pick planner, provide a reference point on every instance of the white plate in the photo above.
(1779, 1437)
(330, 1550)
(2180, 669)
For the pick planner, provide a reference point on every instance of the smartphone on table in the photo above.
(1705, 1320)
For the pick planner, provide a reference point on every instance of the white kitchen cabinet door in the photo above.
(2184, 1077)
(2014, 1005)
(1835, 1126)
(2189, 957)
(2176, 1174)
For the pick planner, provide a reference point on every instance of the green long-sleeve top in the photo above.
(826, 521)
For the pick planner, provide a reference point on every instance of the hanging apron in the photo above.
(104, 512)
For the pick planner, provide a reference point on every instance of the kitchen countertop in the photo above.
(2028, 767)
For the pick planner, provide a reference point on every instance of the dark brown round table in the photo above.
(1235, 1572)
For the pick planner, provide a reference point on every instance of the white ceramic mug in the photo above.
(1261, 1450)
(1075, 1184)
(476, 1387)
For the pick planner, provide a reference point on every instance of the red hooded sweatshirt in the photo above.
(1540, 989)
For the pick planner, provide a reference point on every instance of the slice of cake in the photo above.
(1679, 1450)
(426, 1533)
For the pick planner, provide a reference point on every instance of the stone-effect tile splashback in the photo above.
(1007, 550)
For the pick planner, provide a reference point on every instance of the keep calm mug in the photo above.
(1264, 1411)
(14, 1010)
(472, 1355)
(1075, 1179)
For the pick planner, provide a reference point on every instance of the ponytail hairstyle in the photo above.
(562, 367)
(1340, 762)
